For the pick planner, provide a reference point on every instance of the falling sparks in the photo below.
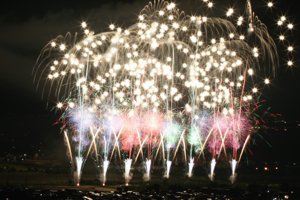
(121, 91)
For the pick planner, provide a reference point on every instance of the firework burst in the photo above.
(168, 80)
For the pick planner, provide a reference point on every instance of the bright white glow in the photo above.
(281, 37)
(233, 164)
(290, 26)
(212, 168)
(270, 4)
(191, 164)
(62, 47)
(59, 105)
(167, 172)
(105, 166)
(127, 170)
(230, 11)
(112, 27)
(147, 168)
(267, 81)
(250, 71)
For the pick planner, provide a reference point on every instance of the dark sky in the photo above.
(26, 27)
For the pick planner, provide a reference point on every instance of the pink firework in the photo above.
(239, 128)
(219, 126)
(130, 133)
(153, 123)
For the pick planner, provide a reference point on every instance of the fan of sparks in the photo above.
(169, 80)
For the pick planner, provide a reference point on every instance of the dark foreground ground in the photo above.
(12, 193)
(39, 180)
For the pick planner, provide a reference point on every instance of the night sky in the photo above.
(26, 27)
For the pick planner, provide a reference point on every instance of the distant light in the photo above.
(281, 37)
(290, 63)
(210, 4)
(71, 104)
(112, 27)
(283, 18)
(290, 26)
(250, 71)
(172, 5)
(290, 48)
(230, 11)
(279, 23)
(267, 81)
(59, 105)
(83, 24)
(270, 4)
(254, 90)
(161, 13)
(62, 47)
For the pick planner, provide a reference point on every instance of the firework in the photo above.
(168, 81)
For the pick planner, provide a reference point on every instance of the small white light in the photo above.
(250, 71)
(270, 4)
(112, 27)
(281, 37)
(267, 81)
(290, 26)
(62, 47)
